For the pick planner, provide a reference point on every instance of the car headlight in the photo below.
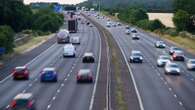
(141, 58)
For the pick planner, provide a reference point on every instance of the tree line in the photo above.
(16, 17)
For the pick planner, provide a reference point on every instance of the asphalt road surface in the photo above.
(157, 90)
(66, 94)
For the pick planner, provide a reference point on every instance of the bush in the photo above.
(171, 31)
(7, 38)
(181, 19)
(144, 24)
(155, 24)
(185, 34)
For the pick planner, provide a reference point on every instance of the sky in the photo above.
(59, 1)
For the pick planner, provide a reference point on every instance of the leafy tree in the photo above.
(156, 24)
(15, 14)
(181, 19)
(186, 5)
(7, 38)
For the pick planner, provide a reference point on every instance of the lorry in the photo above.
(63, 36)
(72, 23)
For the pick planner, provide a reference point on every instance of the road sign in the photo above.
(2, 50)
(58, 8)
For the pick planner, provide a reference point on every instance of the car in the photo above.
(20, 72)
(49, 74)
(172, 69)
(173, 49)
(88, 23)
(114, 24)
(162, 60)
(23, 101)
(75, 40)
(108, 24)
(190, 64)
(84, 75)
(160, 44)
(135, 36)
(118, 24)
(136, 57)
(63, 36)
(88, 57)
(133, 30)
(127, 31)
(178, 56)
(69, 51)
(127, 27)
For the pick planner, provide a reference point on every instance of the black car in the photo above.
(88, 58)
(136, 57)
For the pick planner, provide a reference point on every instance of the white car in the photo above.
(162, 60)
(191, 64)
(160, 44)
(108, 24)
(172, 69)
(69, 50)
(75, 40)
(127, 31)
(135, 36)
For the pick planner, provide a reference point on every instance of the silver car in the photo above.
(162, 60)
(191, 64)
(172, 69)
(160, 44)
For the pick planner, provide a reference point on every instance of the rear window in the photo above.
(20, 70)
(174, 66)
(21, 102)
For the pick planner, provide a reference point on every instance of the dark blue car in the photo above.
(49, 75)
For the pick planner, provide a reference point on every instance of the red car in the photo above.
(178, 56)
(84, 75)
(20, 72)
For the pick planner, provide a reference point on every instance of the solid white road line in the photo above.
(97, 74)
(34, 59)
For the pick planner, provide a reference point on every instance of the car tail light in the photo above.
(29, 104)
(13, 104)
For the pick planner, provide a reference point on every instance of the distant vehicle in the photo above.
(135, 36)
(136, 57)
(162, 60)
(160, 44)
(108, 24)
(127, 31)
(190, 64)
(88, 23)
(49, 75)
(72, 25)
(114, 24)
(23, 101)
(88, 57)
(133, 30)
(172, 68)
(63, 36)
(69, 50)
(178, 56)
(127, 27)
(118, 24)
(75, 40)
(174, 49)
(20, 72)
(84, 75)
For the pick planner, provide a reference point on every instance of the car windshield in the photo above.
(174, 66)
(136, 54)
(177, 49)
(192, 61)
(48, 72)
(19, 69)
(164, 57)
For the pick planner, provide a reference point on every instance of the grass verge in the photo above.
(31, 44)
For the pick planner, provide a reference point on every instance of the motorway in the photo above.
(157, 91)
(66, 94)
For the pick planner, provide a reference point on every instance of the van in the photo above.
(69, 50)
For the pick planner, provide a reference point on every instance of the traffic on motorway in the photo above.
(164, 73)
(64, 76)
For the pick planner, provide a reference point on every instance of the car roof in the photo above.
(68, 45)
(20, 67)
(88, 54)
(49, 69)
(23, 96)
(135, 51)
(84, 71)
